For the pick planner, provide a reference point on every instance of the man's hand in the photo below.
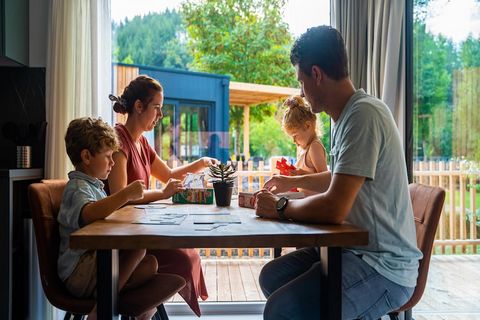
(172, 187)
(266, 204)
(279, 184)
(298, 172)
(135, 190)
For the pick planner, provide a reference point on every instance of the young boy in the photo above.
(90, 144)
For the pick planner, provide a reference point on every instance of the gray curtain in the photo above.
(374, 36)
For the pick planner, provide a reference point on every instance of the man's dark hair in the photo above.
(322, 46)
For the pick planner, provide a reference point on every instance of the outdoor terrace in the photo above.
(453, 287)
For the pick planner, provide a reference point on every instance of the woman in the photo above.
(142, 100)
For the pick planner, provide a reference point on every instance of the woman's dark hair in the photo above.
(141, 88)
(321, 46)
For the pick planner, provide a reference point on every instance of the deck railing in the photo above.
(456, 233)
(459, 223)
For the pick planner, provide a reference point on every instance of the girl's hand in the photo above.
(135, 190)
(172, 187)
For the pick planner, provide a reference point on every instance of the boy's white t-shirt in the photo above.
(366, 142)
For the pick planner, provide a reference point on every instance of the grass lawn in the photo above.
(467, 199)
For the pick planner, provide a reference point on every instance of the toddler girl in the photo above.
(299, 122)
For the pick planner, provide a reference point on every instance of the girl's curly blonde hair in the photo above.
(296, 113)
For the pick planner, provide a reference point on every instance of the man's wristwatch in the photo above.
(281, 205)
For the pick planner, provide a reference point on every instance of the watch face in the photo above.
(281, 203)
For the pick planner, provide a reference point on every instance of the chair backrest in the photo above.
(427, 205)
(45, 199)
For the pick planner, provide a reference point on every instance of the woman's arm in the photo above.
(117, 180)
(162, 171)
(195, 166)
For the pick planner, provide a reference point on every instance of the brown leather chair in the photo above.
(427, 205)
(45, 199)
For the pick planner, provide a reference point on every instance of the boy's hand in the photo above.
(135, 190)
(172, 187)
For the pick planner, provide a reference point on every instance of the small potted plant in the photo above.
(222, 179)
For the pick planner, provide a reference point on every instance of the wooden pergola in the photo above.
(247, 95)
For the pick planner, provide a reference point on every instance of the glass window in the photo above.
(446, 57)
(193, 132)
(183, 133)
(164, 143)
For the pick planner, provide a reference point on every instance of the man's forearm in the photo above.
(317, 182)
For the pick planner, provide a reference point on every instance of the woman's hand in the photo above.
(266, 204)
(207, 161)
(172, 187)
(279, 184)
(134, 190)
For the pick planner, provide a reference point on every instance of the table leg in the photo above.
(331, 258)
(107, 280)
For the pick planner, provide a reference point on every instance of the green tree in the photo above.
(247, 40)
(435, 58)
(470, 52)
(466, 101)
(155, 39)
(267, 138)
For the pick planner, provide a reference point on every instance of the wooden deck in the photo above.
(452, 293)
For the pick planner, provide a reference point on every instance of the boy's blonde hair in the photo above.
(91, 134)
(297, 113)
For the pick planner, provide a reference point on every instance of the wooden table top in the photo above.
(118, 232)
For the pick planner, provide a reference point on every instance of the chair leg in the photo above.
(393, 316)
(408, 314)
(161, 313)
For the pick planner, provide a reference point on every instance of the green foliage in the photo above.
(445, 92)
(470, 52)
(222, 172)
(247, 40)
(267, 138)
(155, 39)
(434, 59)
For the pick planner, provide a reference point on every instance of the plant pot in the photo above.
(223, 193)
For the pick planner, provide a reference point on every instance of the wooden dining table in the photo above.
(167, 226)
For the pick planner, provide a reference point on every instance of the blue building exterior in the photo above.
(195, 122)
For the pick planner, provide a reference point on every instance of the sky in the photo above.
(454, 19)
(299, 14)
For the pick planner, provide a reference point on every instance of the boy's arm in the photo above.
(100, 209)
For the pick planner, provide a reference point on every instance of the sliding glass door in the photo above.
(184, 132)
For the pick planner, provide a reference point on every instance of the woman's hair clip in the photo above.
(114, 98)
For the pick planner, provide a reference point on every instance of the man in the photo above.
(367, 186)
